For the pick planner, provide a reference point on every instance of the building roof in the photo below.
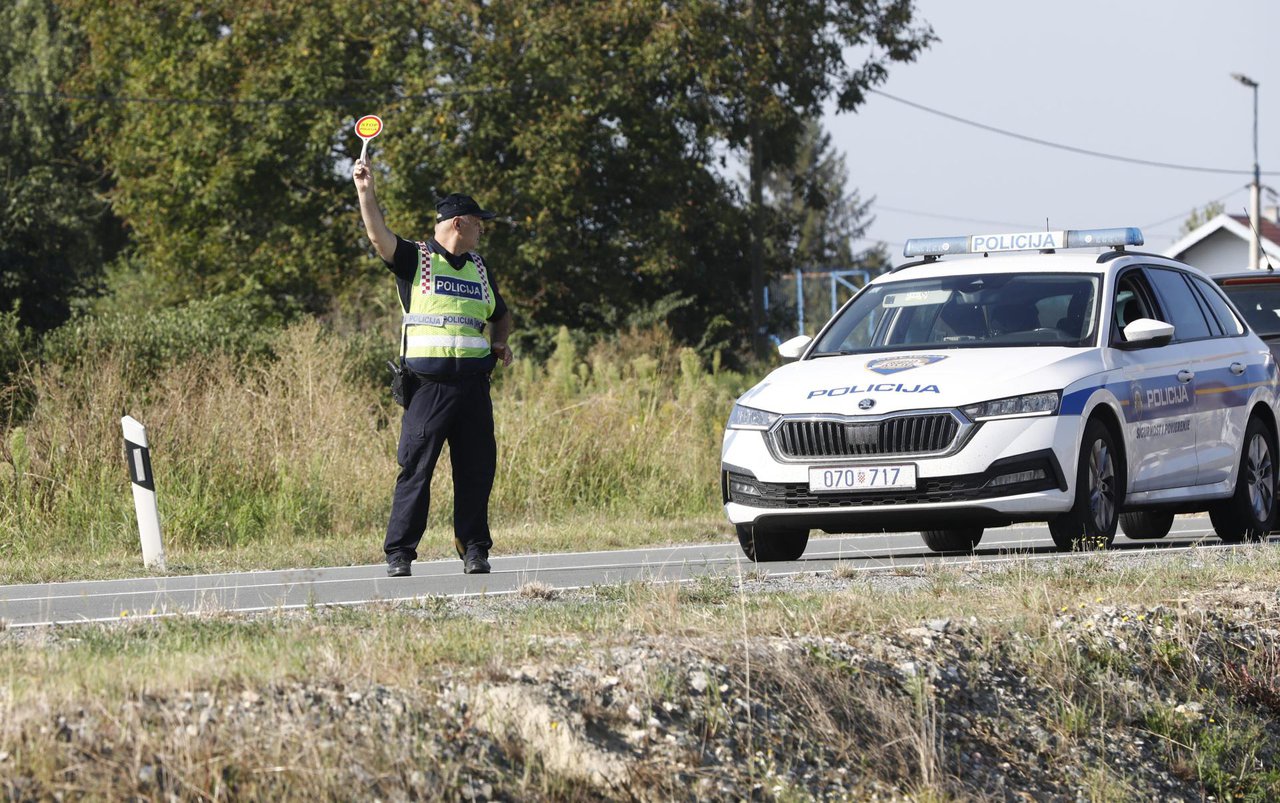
(1270, 230)
(1234, 224)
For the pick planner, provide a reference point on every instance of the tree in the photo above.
(597, 129)
(822, 217)
(56, 230)
(225, 134)
(569, 118)
(772, 64)
(575, 121)
(1199, 217)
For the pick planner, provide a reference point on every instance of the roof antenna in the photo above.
(1046, 228)
(1256, 233)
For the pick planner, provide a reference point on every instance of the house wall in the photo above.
(1220, 252)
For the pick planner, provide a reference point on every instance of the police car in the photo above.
(1090, 389)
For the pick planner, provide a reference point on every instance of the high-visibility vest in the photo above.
(448, 308)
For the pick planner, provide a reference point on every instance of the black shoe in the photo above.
(398, 568)
(476, 563)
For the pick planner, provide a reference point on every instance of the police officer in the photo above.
(449, 300)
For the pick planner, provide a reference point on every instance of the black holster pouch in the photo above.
(403, 382)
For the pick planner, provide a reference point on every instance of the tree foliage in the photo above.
(823, 216)
(55, 228)
(1201, 216)
(598, 130)
(226, 176)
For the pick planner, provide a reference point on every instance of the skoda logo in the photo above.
(866, 404)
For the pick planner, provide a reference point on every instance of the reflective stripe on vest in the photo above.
(444, 320)
(447, 310)
(448, 342)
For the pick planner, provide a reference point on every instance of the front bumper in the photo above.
(1007, 471)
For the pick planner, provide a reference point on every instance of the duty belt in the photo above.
(418, 319)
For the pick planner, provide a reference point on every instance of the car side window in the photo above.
(1181, 304)
(1132, 301)
(1218, 307)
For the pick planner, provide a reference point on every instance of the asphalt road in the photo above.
(108, 600)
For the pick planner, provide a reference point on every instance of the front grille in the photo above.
(960, 488)
(929, 433)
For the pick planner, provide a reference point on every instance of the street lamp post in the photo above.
(1255, 253)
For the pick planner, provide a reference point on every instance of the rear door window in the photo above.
(1180, 304)
(1218, 306)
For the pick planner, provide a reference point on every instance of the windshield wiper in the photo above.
(845, 353)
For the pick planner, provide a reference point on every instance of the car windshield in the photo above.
(1258, 303)
(974, 311)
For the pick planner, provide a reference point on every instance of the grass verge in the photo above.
(1108, 678)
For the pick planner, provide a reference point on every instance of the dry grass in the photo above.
(844, 570)
(290, 462)
(538, 590)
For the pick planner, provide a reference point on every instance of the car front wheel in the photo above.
(1250, 512)
(1144, 525)
(765, 545)
(1091, 522)
(959, 539)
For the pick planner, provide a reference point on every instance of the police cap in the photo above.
(455, 204)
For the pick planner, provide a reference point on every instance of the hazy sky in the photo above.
(1133, 78)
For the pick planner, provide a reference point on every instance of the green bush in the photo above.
(165, 336)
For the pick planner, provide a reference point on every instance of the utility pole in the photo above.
(1255, 190)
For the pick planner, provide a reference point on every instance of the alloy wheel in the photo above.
(1260, 477)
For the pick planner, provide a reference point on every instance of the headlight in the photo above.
(751, 418)
(1014, 406)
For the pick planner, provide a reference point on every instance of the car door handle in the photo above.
(1186, 376)
(1237, 368)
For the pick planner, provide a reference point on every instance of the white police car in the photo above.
(951, 395)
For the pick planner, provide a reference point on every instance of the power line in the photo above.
(917, 213)
(1183, 215)
(1071, 148)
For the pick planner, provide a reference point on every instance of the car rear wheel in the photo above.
(1091, 522)
(762, 544)
(959, 539)
(1146, 525)
(1250, 512)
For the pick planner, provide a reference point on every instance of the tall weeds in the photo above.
(301, 448)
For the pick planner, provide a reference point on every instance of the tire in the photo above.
(1146, 525)
(1250, 513)
(959, 539)
(1091, 522)
(764, 545)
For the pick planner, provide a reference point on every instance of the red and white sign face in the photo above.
(368, 127)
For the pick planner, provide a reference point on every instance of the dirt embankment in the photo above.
(1177, 702)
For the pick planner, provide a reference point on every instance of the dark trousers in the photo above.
(459, 412)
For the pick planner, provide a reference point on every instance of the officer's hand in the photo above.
(362, 175)
(503, 352)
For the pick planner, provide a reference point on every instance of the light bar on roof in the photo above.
(1022, 241)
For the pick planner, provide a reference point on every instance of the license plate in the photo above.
(862, 478)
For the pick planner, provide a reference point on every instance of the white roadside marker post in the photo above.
(144, 492)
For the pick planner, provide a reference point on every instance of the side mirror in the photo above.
(793, 348)
(1145, 332)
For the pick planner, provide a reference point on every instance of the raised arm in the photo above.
(383, 239)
